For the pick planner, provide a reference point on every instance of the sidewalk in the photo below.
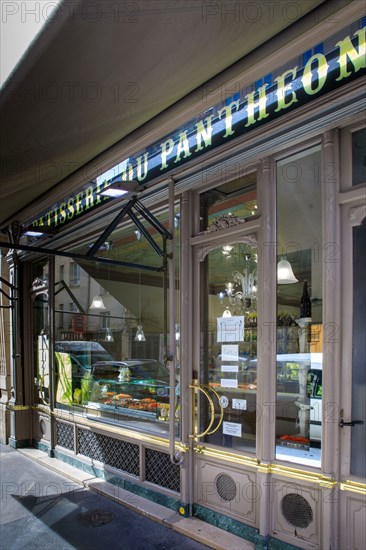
(47, 504)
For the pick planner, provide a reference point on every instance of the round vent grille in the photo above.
(297, 510)
(226, 487)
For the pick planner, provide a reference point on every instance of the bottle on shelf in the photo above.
(305, 302)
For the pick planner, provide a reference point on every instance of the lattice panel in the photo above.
(65, 435)
(114, 452)
(160, 470)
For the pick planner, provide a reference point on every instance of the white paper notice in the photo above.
(228, 383)
(229, 352)
(230, 329)
(229, 368)
(240, 404)
(231, 428)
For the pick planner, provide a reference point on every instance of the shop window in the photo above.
(102, 369)
(299, 309)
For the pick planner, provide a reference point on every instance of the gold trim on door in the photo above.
(196, 387)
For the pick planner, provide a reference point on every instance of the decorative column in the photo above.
(331, 339)
(266, 349)
(20, 431)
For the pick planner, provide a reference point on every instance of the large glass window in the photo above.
(111, 340)
(299, 308)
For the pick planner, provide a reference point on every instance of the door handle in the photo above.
(351, 423)
(221, 411)
(196, 387)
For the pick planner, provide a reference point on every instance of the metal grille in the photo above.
(297, 510)
(95, 518)
(161, 471)
(65, 435)
(114, 452)
(226, 487)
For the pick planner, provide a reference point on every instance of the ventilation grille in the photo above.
(297, 510)
(65, 435)
(161, 471)
(114, 452)
(226, 487)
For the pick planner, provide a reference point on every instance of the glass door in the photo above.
(227, 376)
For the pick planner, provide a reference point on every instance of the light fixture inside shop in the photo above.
(140, 335)
(242, 293)
(97, 303)
(120, 188)
(108, 335)
(285, 275)
(226, 249)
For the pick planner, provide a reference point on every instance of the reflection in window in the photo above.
(299, 309)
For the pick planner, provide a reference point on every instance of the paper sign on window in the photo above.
(229, 368)
(228, 383)
(231, 428)
(229, 352)
(230, 329)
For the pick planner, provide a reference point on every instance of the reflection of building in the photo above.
(272, 170)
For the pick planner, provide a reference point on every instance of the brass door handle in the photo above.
(221, 411)
(208, 430)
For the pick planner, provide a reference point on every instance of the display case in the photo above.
(137, 389)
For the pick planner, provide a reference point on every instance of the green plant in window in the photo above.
(284, 319)
(251, 320)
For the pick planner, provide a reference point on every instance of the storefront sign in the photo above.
(289, 90)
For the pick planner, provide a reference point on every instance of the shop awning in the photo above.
(101, 70)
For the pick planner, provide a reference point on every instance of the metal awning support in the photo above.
(127, 210)
(111, 227)
(81, 257)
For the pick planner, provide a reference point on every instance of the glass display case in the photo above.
(136, 389)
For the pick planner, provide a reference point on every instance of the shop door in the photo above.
(353, 410)
(224, 385)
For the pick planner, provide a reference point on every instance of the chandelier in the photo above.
(242, 291)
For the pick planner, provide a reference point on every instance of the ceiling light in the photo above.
(119, 188)
(140, 336)
(97, 303)
(108, 335)
(33, 233)
(285, 275)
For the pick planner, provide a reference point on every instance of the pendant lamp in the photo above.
(285, 275)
